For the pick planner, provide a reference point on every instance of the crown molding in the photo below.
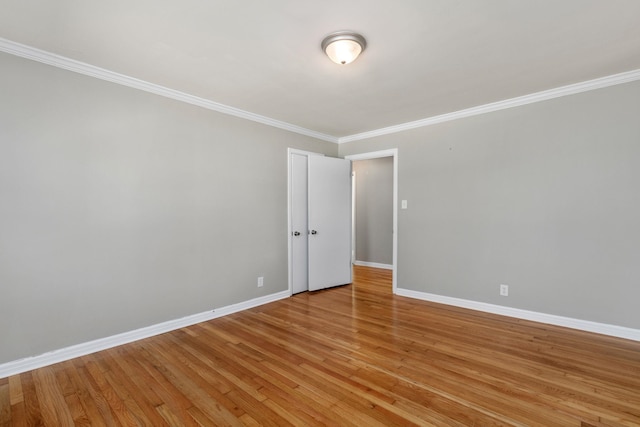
(69, 64)
(545, 95)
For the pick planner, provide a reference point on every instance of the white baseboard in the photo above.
(61, 355)
(373, 264)
(67, 353)
(568, 322)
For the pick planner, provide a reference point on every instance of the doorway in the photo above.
(372, 241)
(393, 153)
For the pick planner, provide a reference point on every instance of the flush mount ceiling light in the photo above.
(343, 47)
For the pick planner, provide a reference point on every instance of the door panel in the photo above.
(299, 253)
(329, 213)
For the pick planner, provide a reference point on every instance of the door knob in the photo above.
(314, 232)
(296, 233)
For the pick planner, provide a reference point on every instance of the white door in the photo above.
(299, 229)
(329, 247)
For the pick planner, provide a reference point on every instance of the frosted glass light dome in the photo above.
(343, 47)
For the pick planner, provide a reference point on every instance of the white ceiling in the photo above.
(424, 57)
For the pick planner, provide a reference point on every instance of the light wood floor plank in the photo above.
(5, 402)
(354, 355)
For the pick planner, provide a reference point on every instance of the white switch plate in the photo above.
(404, 204)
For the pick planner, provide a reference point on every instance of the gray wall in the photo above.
(120, 209)
(374, 210)
(543, 197)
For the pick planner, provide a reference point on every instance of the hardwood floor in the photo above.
(350, 356)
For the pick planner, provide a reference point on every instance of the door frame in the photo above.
(393, 152)
(291, 151)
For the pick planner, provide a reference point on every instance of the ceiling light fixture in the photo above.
(343, 47)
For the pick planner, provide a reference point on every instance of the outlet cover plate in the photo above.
(504, 290)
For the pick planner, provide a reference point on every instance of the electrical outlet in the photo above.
(504, 290)
(260, 281)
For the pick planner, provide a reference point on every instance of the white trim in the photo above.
(567, 322)
(545, 95)
(354, 192)
(61, 355)
(373, 264)
(69, 64)
(392, 152)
